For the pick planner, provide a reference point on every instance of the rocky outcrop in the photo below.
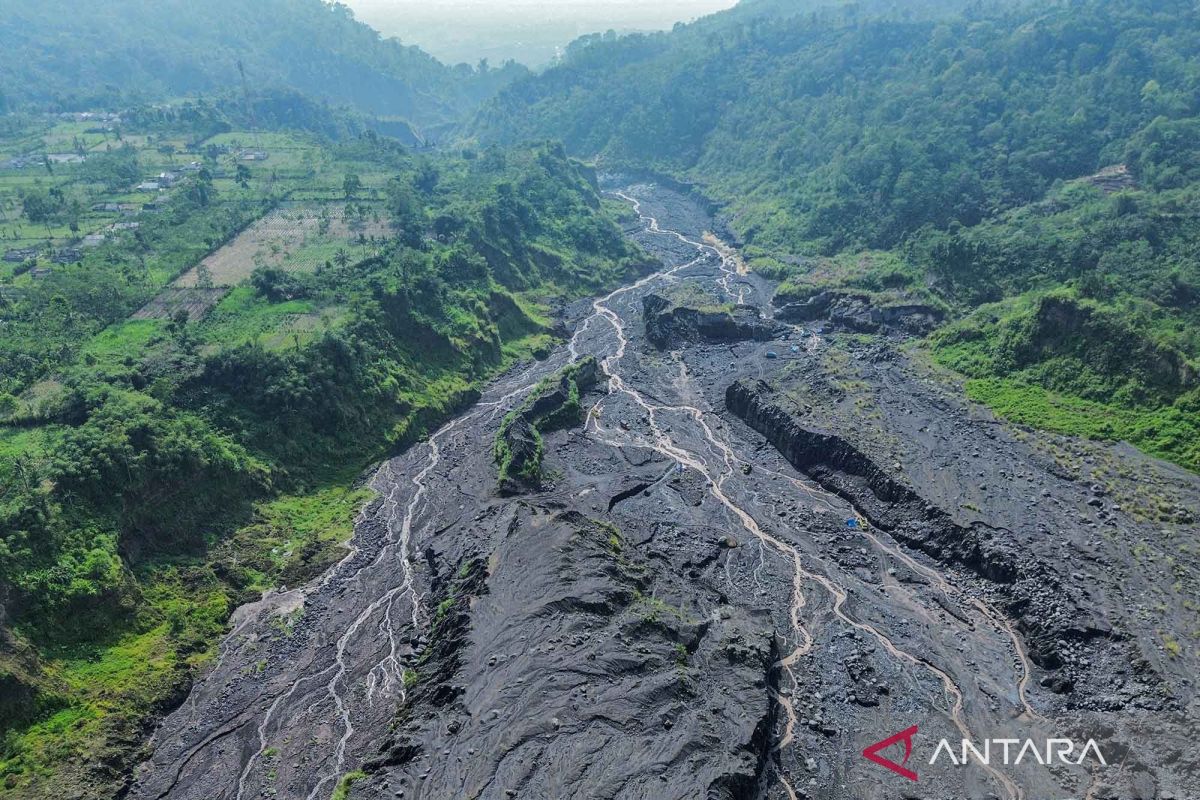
(552, 406)
(669, 324)
(557, 405)
(1110, 180)
(519, 453)
(856, 312)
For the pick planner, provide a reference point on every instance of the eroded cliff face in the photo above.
(669, 323)
(884, 502)
(21, 679)
(552, 405)
(1050, 613)
(1062, 326)
(23, 683)
(857, 312)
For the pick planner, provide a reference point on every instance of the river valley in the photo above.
(764, 548)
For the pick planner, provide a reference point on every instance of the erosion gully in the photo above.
(724, 561)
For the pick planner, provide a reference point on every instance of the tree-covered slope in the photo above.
(833, 132)
(158, 469)
(76, 55)
(953, 139)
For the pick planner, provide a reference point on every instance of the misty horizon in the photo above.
(531, 32)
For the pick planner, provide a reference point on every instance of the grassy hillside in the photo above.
(1002, 152)
(1082, 314)
(183, 411)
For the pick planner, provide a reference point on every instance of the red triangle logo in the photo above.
(872, 753)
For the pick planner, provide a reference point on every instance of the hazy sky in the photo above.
(529, 31)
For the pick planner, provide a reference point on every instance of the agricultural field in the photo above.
(66, 184)
(193, 300)
(298, 238)
(80, 168)
(240, 317)
(74, 190)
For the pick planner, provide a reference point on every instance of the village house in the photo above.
(20, 254)
(123, 208)
(90, 116)
(26, 161)
(67, 255)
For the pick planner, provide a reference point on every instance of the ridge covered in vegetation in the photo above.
(1039, 156)
(552, 405)
(73, 56)
(185, 406)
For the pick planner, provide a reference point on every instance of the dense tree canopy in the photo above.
(834, 131)
(1000, 150)
(76, 55)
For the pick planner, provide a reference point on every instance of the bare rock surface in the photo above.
(737, 572)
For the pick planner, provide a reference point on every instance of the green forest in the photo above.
(116, 53)
(1028, 166)
(168, 451)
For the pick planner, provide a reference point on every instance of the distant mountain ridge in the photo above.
(67, 54)
(957, 137)
(856, 127)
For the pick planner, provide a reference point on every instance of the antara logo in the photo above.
(1003, 751)
(872, 753)
(1055, 751)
